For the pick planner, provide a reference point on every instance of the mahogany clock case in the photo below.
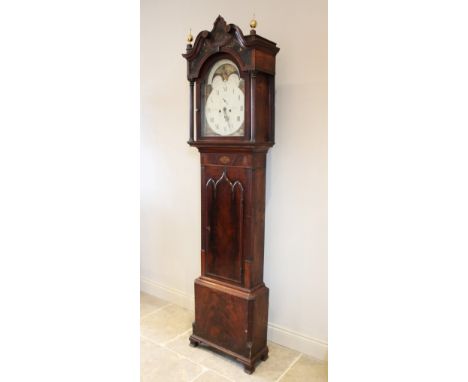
(231, 299)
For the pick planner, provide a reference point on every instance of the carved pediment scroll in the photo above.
(226, 38)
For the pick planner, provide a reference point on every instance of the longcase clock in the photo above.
(232, 97)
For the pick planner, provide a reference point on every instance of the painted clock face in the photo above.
(223, 101)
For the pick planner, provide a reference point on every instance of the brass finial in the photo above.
(190, 37)
(253, 22)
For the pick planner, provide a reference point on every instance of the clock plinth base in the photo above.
(231, 320)
(249, 363)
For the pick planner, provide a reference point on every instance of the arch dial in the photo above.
(223, 101)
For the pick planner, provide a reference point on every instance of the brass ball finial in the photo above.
(253, 23)
(190, 37)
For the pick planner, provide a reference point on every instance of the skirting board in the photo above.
(276, 333)
(308, 345)
(166, 293)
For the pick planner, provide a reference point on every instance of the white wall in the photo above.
(296, 198)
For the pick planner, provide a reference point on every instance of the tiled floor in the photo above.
(167, 357)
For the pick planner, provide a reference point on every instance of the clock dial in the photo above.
(223, 108)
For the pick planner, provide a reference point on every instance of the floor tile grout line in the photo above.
(204, 368)
(172, 351)
(220, 375)
(175, 338)
(198, 376)
(289, 367)
(150, 340)
(155, 311)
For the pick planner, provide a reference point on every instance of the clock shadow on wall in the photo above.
(232, 90)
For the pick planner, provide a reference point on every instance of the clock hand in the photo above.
(226, 117)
